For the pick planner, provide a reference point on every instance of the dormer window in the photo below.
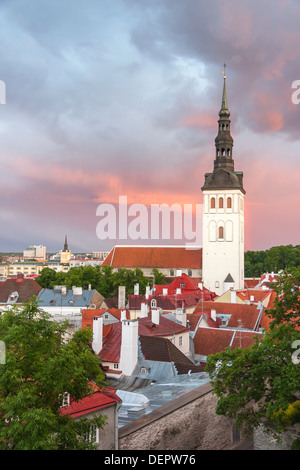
(153, 303)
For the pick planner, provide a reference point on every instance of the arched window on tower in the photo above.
(221, 203)
(228, 152)
(221, 232)
(212, 203)
(229, 203)
(223, 152)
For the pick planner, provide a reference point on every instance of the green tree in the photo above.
(260, 385)
(40, 368)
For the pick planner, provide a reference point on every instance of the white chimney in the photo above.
(144, 310)
(179, 272)
(251, 298)
(129, 346)
(165, 291)
(97, 334)
(178, 290)
(63, 290)
(155, 316)
(200, 285)
(77, 290)
(123, 315)
(181, 316)
(136, 289)
(121, 297)
(213, 314)
(233, 296)
(147, 292)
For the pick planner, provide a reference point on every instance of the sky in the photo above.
(105, 99)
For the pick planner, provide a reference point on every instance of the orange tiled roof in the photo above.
(248, 314)
(213, 340)
(154, 257)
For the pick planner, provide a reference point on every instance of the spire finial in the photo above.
(224, 71)
(224, 105)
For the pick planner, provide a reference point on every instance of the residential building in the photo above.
(103, 402)
(118, 344)
(63, 303)
(16, 291)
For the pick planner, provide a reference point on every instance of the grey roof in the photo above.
(229, 278)
(52, 298)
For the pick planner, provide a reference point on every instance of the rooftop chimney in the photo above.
(144, 310)
(147, 292)
(129, 346)
(233, 296)
(97, 334)
(155, 315)
(121, 297)
(213, 314)
(123, 315)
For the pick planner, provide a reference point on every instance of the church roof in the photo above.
(176, 257)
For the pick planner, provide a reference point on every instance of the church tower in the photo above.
(223, 214)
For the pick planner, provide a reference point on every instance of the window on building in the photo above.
(221, 232)
(221, 203)
(171, 272)
(212, 203)
(182, 284)
(229, 203)
(153, 303)
(92, 435)
(190, 272)
(180, 340)
(116, 365)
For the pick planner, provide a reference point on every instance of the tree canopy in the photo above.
(260, 385)
(40, 367)
(275, 259)
(103, 279)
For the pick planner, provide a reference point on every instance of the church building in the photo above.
(223, 214)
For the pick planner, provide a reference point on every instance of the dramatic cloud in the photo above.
(109, 98)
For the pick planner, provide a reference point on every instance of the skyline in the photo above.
(111, 99)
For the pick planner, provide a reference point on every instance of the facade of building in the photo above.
(223, 214)
(167, 259)
(37, 252)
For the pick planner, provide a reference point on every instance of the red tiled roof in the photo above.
(111, 349)
(154, 257)
(213, 340)
(250, 283)
(248, 314)
(99, 400)
(258, 294)
(89, 313)
(26, 288)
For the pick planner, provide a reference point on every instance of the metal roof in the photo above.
(52, 298)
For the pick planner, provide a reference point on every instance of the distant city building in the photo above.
(65, 254)
(37, 252)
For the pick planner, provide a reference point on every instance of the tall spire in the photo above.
(224, 106)
(66, 244)
(224, 175)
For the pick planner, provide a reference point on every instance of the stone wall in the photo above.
(188, 423)
(263, 441)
